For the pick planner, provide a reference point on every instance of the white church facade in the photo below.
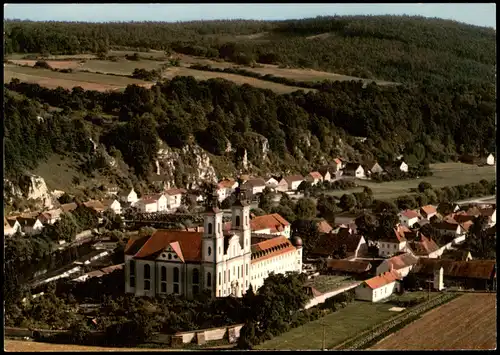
(225, 262)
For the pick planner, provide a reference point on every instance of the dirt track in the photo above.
(469, 322)
(21, 346)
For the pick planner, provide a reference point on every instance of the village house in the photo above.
(68, 207)
(346, 217)
(372, 168)
(339, 164)
(449, 227)
(490, 160)
(225, 188)
(491, 213)
(11, 226)
(282, 186)
(428, 211)
(325, 173)
(379, 287)
(30, 225)
(95, 205)
(354, 169)
(403, 167)
(425, 248)
(129, 196)
(314, 178)
(270, 224)
(147, 205)
(343, 242)
(393, 243)
(160, 200)
(475, 274)
(50, 217)
(255, 186)
(293, 181)
(173, 198)
(324, 227)
(408, 218)
(113, 205)
(224, 263)
(272, 182)
(359, 269)
(402, 263)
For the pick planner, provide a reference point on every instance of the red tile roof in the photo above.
(271, 221)
(68, 207)
(348, 266)
(382, 280)
(173, 192)
(398, 236)
(270, 248)
(292, 178)
(475, 269)
(151, 197)
(95, 205)
(409, 214)
(316, 175)
(402, 261)
(427, 210)
(338, 161)
(147, 201)
(189, 242)
(226, 184)
(424, 246)
(324, 227)
(466, 225)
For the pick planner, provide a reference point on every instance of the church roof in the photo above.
(189, 243)
(270, 248)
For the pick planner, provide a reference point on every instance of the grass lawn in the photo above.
(339, 326)
(444, 174)
(413, 295)
(326, 283)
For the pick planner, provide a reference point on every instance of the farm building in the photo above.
(282, 186)
(402, 263)
(425, 248)
(256, 186)
(456, 254)
(325, 172)
(293, 181)
(344, 243)
(373, 168)
(113, 205)
(379, 287)
(129, 196)
(428, 211)
(476, 274)
(358, 269)
(174, 198)
(272, 182)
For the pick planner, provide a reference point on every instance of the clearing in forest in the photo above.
(468, 322)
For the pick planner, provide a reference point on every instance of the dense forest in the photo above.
(303, 130)
(395, 48)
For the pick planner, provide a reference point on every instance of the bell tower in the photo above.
(240, 219)
(213, 238)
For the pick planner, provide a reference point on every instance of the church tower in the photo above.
(240, 220)
(213, 237)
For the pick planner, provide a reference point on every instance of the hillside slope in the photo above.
(393, 48)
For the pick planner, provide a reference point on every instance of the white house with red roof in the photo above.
(393, 243)
(314, 177)
(379, 287)
(270, 224)
(153, 203)
(225, 188)
(408, 218)
(225, 262)
(174, 198)
(402, 263)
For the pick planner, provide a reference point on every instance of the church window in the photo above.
(147, 271)
(237, 221)
(209, 251)
(219, 250)
(224, 277)
(176, 274)
(147, 285)
(196, 276)
(246, 220)
(196, 289)
(210, 228)
(176, 288)
(163, 287)
(220, 227)
(238, 272)
(209, 279)
(169, 256)
(163, 273)
(246, 269)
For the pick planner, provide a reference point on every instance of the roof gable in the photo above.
(383, 279)
(189, 243)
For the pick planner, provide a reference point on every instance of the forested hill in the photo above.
(393, 48)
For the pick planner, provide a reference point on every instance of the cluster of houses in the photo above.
(408, 250)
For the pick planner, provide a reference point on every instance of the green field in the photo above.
(326, 283)
(444, 174)
(122, 67)
(339, 326)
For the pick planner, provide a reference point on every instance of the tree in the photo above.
(65, 198)
(366, 225)
(258, 211)
(305, 208)
(327, 207)
(347, 202)
(66, 228)
(406, 202)
(266, 199)
(285, 212)
(424, 186)
(480, 242)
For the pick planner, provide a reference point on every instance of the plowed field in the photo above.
(469, 322)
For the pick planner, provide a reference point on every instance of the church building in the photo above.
(225, 262)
